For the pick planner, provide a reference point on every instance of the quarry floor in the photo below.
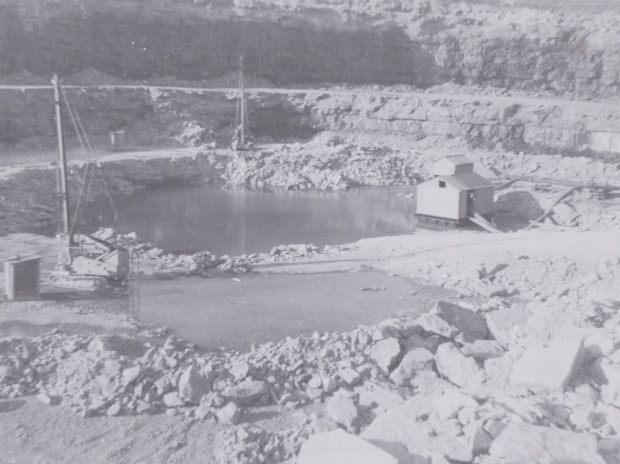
(567, 262)
(36, 433)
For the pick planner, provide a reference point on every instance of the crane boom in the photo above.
(61, 166)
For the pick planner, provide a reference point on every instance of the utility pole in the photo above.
(61, 166)
(242, 87)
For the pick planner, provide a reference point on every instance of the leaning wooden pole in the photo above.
(63, 194)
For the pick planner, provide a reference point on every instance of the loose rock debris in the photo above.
(153, 261)
(401, 391)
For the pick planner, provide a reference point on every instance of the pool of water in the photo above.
(239, 221)
(258, 308)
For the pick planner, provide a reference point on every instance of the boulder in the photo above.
(339, 447)
(456, 367)
(343, 410)
(378, 397)
(502, 321)
(330, 384)
(100, 343)
(315, 382)
(47, 399)
(246, 392)
(610, 391)
(114, 410)
(131, 374)
(609, 449)
(479, 440)
(144, 407)
(203, 411)
(5, 372)
(481, 350)
(415, 360)
(520, 442)
(192, 385)
(450, 402)
(239, 370)
(173, 400)
(229, 414)
(549, 367)
(430, 342)
(432, 323)
(386, 354)
(349, 376)
(469, 325)
(406, 426)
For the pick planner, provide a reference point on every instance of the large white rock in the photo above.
(339, 447)
(414, 361)
(457, 368)
(229, 414)
(502, 322)
(550, 367)
(610, 391)
(343, 410)
(378, 397)
(406, 425)
(450, 402)
(192, 385)
(481, 350)
(434, 324)
(479, 439)
(521, 443)
(469, 325)
(246, 392)
(386, 354)
(239, 370)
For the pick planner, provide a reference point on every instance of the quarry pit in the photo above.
(378, 341)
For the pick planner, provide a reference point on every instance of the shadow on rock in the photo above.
(11, 405)
(515, 210)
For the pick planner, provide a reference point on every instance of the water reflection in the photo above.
(239, 221)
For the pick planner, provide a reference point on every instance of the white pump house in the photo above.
(456, 196)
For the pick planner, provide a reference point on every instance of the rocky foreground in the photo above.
(454, 385)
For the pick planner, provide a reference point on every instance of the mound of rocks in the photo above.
(437, 388)
(154, 261)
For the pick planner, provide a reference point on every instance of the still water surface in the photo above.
(238, 221)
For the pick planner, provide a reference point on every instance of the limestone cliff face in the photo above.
(419, 42)
(155, 117)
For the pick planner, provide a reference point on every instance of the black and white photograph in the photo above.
(309, 231)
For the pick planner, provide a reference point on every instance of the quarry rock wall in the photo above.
(152, 117)
(423, 42)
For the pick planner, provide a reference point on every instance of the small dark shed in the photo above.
(21, 277)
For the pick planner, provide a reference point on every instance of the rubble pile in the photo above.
(328, 162)
(455, 384)
(250, 444)
(152, 260)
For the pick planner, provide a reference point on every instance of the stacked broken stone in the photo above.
(292, 252)
(200, 263)
(25, 364)
(457, 384)
(476, 397)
